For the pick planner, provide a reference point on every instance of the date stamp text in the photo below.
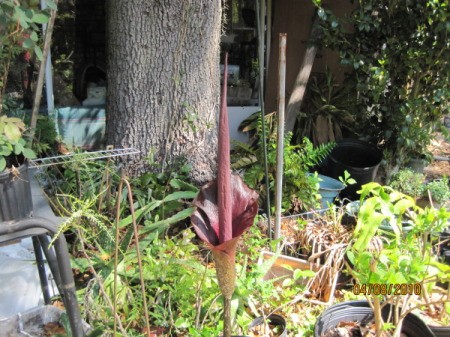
(388, 289)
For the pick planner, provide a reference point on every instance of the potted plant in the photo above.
(414, 184)
(326, 110)
(300, 188)
(437, 192)
(15, 193)
(408, 182)
(359, 158)
(339, 320)
(391, 272)
(312, 252)
(272, 325)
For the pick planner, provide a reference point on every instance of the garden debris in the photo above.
(324, 243)
(439, 147)
(52, 328)
(344, 329)
(264, 330)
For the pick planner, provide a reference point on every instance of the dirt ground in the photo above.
(440, 147)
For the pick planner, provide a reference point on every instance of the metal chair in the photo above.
(40, 227)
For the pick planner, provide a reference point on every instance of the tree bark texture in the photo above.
(163, 82)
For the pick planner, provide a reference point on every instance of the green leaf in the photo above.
(51, 4)
(298, 273)
(447, 307)
(2, 164)
(80, 263)
(182, 185)
(12, 132)
(18, 149)
(34, 36)
(368, 227)
(20, 16)
(96, 332)
(165, 223)
(351, 257)
(40, 18)
(180, 195)
(29, 153)
(147, 178)
(441, 266)
(139, 213)
(181, 323)
(38, 52)
(5, 151)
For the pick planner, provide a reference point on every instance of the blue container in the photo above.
(329, 189)
(82, 127)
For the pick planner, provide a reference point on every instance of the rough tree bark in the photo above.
(163, 81)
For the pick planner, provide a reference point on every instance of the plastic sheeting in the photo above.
(20, 288)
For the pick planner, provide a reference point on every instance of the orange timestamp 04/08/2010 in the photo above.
(388, 289)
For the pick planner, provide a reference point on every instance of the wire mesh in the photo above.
(73, 157)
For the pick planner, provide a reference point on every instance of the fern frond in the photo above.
(242, 146)
(244, 162)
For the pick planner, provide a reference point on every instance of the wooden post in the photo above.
(40, 82)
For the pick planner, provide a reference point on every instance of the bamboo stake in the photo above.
(40, 82)
(280, 141)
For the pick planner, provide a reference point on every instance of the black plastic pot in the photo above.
(275, 320)
(440, 331)
(15, 195)
(359, 158)
(360, 311)
(445, 252)
(444, 247)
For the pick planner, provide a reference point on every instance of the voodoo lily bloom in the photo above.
(225, 208)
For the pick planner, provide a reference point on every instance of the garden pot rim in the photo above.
(15, 169)
(274, 319)
(364, 308)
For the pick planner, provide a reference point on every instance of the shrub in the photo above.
(409, 182)
(438, 189)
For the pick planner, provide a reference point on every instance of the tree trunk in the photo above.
(163, 82)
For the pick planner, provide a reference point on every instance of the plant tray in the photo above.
(284, 266)
(31, 322)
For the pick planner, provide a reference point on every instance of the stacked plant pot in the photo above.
(15, 194)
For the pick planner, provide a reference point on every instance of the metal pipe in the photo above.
(268, 34)
(260, 23)
(280, 140)
(41, 270)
